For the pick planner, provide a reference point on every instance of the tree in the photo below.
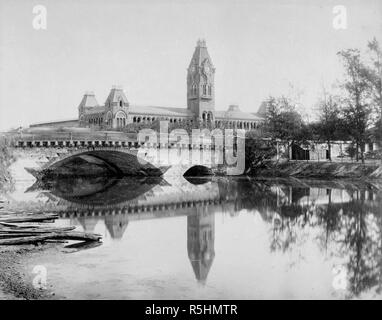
(283, 122)
(356, 110)
(257, 151)
(375, 73)
(327, 127)
(375, 78)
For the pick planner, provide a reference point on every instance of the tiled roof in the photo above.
(164, 111)
(93, 110)
(180, 112)
(88, 101)
(237, 115)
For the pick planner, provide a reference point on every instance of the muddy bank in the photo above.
(322, 170)
(16, 282)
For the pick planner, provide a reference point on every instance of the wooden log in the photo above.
(83, 245)
(55, 241)
(26, 240)
(70, 235)
(23, 225)
(26, 215)
(16, 235)
(75, 235)
(29, 218)
(35, 230)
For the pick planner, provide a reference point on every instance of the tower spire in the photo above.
(201, 84)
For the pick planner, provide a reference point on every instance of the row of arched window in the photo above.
(145, 119)
(96, 121)
(248, 125)
(121, 122)
(206, 89)
(207, 117)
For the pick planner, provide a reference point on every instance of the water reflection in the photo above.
(344, 219)
(201, 243)
(98, 191)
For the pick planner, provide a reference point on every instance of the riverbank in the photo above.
(15, 280)
(322, 170)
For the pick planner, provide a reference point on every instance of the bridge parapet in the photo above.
(111, 143)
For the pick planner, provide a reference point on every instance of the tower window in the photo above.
(120, 103)
(193, 89)
(204, 89)
(209, 90)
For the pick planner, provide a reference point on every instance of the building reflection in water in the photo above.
(347, 216)
(116, 225)
(201, 242)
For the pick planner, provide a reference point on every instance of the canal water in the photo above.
(213, 238)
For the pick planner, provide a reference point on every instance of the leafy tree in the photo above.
(357, 109)
(283, 122)
(375, 78)
(375, 73)
(257, 151)
(327, 128)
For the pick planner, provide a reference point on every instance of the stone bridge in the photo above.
(121, 161)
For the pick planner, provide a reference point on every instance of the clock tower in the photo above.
(201, 85)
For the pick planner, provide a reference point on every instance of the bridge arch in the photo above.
(94, 161)
(198, 170)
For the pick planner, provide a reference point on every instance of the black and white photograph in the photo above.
(176, 150)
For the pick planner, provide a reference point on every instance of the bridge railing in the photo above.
(67, 136)
(94, 140)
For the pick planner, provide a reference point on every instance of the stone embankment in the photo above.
(321, 170)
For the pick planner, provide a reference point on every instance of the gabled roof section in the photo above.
(234, 113)
(89, 100)
(116, 94)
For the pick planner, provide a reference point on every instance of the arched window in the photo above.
(209, 90)
(204, 89)
(120, 103)
(193, 89)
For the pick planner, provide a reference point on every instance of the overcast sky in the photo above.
(258, 48)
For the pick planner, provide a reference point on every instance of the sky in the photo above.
(259, 48)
